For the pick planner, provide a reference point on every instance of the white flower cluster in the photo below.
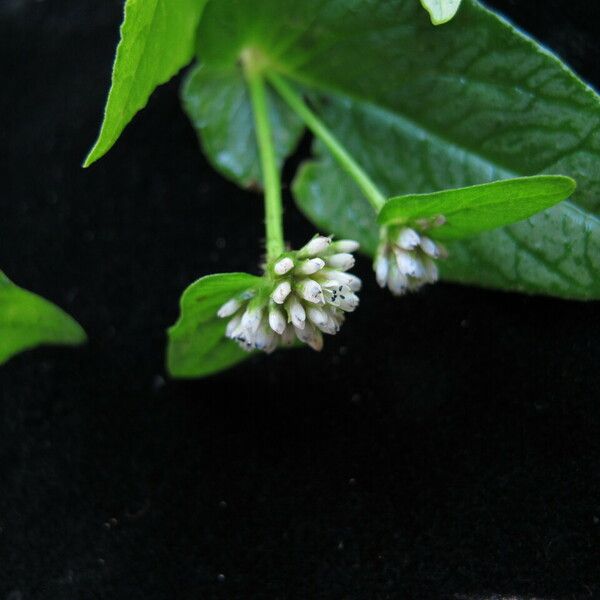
(306, 294)
(405, 259)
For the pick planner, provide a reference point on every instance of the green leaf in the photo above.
(197, 343)
(441, 11)
(556, 252)
(425, 109)
(157, 39)
(471, 210)
(27, 320)
(217, 102)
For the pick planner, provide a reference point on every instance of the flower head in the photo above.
(305, 293)
(406, 257)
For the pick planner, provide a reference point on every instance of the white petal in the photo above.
(296, 312)
(243, 337)
(251, 319)
(382, 267)
(352, 281)
(283, 266)
(316, 246)
(233, 324)
(340, 296)
(431, 270)
(310, 290)
(311, 336)
(342, 261)
(277, 320)
(430, 247)
(281, 292)
(310, 266)
(317, 315)
(336, 316)
(288, 336)
(265, 339)
(229, 308)
(345, 246)
(323, 320)
(408, 264)
(397, 281)
(408, 239)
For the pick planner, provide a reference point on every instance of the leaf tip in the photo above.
(92, 156)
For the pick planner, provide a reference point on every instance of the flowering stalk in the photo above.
(344, 158)
(270, 172)
(303, 293)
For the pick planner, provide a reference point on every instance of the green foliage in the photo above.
(441, 11)
(556, 252)
(423, 109)
(471, 210)
(197, 343)
(157, 39)
(217, 102)
(27, 320)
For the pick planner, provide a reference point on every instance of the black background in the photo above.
(442, 446)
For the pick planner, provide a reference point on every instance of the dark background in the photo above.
(443, 446)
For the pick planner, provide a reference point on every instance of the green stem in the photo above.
(345, 159)
(270, 172)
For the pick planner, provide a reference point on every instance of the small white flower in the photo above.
(382, 268)
(283, 266)
(310, 335)
(352, 281)
(408, 263)
(345, 246)
(310, 266)
(281, 292)
(233, 325)
(296, 312)
(406, 258)
(229, 308)
(251, 320)
(316, 246)
(277, 320)
(408, 239)
(431, 248)
(339, 295)
(310, 290)
(317, 315)
(342, 261)
(305, 294)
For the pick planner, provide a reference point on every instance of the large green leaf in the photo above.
(217, 102)
(425, 108)
(157, 39)
(471, 210)
(197, 343)
(27, 320)
(556, 252)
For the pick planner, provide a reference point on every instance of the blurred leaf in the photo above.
(27, 321)
(441, 11)
(197, 343)
(217, 102)
(471, 210)
(157, 39)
